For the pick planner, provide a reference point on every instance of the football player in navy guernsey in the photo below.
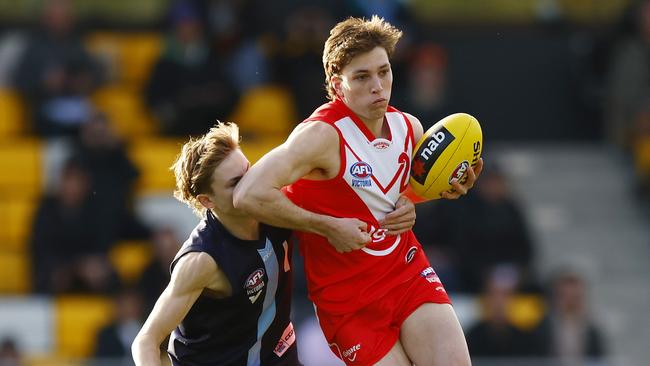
(229, 297)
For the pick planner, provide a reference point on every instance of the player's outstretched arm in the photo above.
(191, 275)
(310, 147)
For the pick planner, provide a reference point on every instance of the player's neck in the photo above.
(241, 227)
(377, 127)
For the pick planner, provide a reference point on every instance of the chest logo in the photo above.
(361, 174)
(254, 285)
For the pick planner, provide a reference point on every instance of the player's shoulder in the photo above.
(317, 128)
(194, 269)
(418, 130)
(413, 120)
(314, 136)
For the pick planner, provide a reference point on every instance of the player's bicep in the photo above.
(306, 149)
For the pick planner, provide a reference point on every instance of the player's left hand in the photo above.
(401, 219)
(462, 189)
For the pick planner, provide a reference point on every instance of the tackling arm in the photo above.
(310, 147)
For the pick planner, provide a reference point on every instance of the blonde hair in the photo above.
(352, 37)
(199, 157)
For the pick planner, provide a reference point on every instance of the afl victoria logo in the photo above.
(361, 170)
(254, 284)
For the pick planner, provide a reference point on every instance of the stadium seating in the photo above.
(77, 320)
(16, 215)
(15, 274)
(125, 110)
(526, 311)
(128, 56)
(266, 110)
(129, 259)
(13, 121)
(20, 164)
(254, 148)
(154, 157)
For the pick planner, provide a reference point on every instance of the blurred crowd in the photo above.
(215, 54)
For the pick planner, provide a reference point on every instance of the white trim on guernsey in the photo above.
(268, 308)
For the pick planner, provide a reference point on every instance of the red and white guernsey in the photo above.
(373, 173)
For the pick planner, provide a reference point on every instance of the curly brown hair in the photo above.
(352, 37)
(199, 157)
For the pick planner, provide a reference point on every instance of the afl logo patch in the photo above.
(459, 172)
(361, 173)
(410, 254)
(361, 170)
(254, 284)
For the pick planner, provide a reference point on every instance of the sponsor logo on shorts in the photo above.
(410, 254)
(459, 172)
(430, 275)
(350, 354)
(288, 338)
(255, 284)
(361, 173)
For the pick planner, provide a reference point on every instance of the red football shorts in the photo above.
(366, 336)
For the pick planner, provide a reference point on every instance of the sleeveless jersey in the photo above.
(373, 173)
(252, 326)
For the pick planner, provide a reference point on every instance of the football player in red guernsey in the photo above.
(378, 302)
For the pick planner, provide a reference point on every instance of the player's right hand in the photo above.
(348, 234)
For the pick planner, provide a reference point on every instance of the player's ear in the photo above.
(205, 201)
(336, 82)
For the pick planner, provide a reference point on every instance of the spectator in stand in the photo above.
(112, 175)
(300, 64)
(155, 276)
(440, 238)
(495, 336)
(629, 79)
(499, 234)
(9, 354)
(568, 333)
(426, 92)
(114, 340)
(189, 88)
(68, 254)
(56, 74)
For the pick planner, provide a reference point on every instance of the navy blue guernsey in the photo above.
(252, 326)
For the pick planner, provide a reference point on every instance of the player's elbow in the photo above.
(243, 199)
(136, 347)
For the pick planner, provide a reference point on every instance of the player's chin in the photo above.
(378, 111)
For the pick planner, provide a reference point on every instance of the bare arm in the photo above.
(191, 275)
(310, 147)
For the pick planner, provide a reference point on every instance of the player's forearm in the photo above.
(145, 351)
(274, 208)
